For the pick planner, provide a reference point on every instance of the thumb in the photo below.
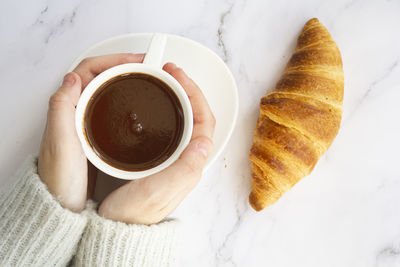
(61, 114)
(70, 89)
(187, 168)
(195, 155)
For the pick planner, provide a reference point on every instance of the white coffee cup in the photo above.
(151, 66)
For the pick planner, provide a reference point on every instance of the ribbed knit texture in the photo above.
(109, 243)
(34, 229)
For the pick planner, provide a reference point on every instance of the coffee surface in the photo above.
(134, 122)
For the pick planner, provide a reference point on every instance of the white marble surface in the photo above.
(346, 213)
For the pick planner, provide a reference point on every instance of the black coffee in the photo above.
(134, 122)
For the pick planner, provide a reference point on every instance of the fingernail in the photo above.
(173, 65)
(69, 80)
(203, 148)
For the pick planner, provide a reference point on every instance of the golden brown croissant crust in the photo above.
(299, 119)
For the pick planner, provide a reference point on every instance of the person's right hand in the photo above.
(149, 200)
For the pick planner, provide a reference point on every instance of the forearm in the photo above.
(34, 229)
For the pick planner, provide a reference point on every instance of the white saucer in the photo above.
(200, 63)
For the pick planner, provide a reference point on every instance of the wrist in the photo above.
(67, 200)
(121, 215)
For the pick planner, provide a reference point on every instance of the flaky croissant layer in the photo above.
(299, 119)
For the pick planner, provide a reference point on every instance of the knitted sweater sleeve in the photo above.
(34, 229)
(109, 243)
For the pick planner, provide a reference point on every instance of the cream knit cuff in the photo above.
(110, 243)
(34, 229)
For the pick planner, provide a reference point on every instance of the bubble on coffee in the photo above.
(137, 127)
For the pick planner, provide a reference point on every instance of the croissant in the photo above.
(298, 119)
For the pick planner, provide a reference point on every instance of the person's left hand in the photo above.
(62, 165)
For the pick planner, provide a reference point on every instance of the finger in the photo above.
(186, 170)
(68, 94)
(60, 123)
(185, 173)
(92, 179)
(92, 66)
(63, 161)
(203, 119)
(61, 113)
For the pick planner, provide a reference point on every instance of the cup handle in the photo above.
(155, 51)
